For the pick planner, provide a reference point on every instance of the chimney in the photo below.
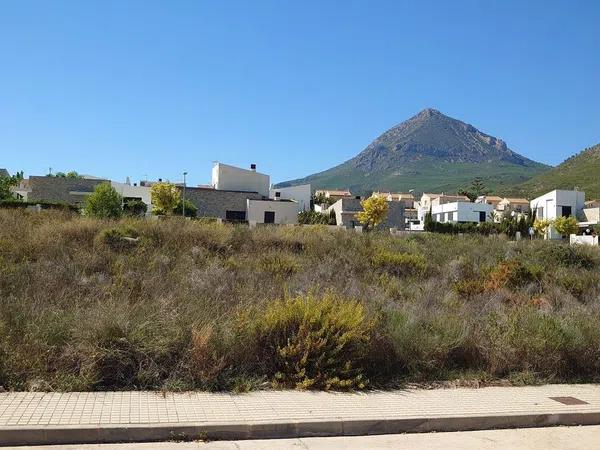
(253, 167)
(277, 195)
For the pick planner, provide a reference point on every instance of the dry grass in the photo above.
(190, 305)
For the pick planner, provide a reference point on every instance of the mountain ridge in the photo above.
(428, 151)
(581, 171)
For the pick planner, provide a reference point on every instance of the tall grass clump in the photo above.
(312, 342)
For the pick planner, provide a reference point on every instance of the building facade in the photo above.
(300, 194)
(345, 211)
(231, 178)
(558, 203)
(461, 212)
(272, 211)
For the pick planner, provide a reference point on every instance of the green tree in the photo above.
(566, 225)
(165, 197)
(190, 209)
(135, 207)
(6, 183)
(541, 226)
(104, 203)
(374, 212)
(476, 189)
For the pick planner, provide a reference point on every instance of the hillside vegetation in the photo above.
(172, 304)
(581, 171)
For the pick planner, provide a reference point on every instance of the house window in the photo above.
(450, 216)
(566, 211)
(482, 216)
(235, 216)
(540, 212)
(269, 216)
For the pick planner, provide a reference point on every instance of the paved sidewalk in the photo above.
(59, 418)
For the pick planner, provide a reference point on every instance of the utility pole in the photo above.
(183, 202)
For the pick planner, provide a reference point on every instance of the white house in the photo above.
(457, 212)
(558, 203)
(272, 211)
(231, 178)
(300, 194)
(134, 192)
(429, 200)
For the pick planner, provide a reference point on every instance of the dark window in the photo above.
(269, 216)
(566, 211)
(235, 216)
(482, 216)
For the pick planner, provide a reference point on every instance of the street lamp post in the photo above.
(183, 202)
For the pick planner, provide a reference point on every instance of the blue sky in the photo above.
(136, 88)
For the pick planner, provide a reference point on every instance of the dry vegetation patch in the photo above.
(174, 304)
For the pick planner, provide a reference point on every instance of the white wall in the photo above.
(548, 206)
(461, 212)
(232, 178)
(126, 190)
(286, 212)
(300, 194)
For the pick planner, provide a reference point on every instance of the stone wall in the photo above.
(57, 189)
(215, 202)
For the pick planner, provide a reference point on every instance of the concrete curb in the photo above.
(89, 434)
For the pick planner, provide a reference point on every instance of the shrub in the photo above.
(469, 288)
(400, 263)
(135, 208)
(566, 225)
(278, 264)
(513, 274)
(191, 210)
(432, 344)
(103, 203)
(165, 197)
(312, 218)
(309, 342)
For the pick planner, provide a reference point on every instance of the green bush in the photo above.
(135, 208)
(400, 263)
(278, 264)
(431, 345)
(191, 210)
(103, 203)
(310, 342)
(312, 218)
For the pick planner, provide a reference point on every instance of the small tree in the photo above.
(104, 203)
(190, 209)
(476, 189)
(541, 226)
(134, 207)
(374, 212)
(165, 197)
(566, 225)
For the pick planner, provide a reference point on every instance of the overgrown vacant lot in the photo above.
(190, 305)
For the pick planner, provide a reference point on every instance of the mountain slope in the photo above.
(581, 171)
(429, 151)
